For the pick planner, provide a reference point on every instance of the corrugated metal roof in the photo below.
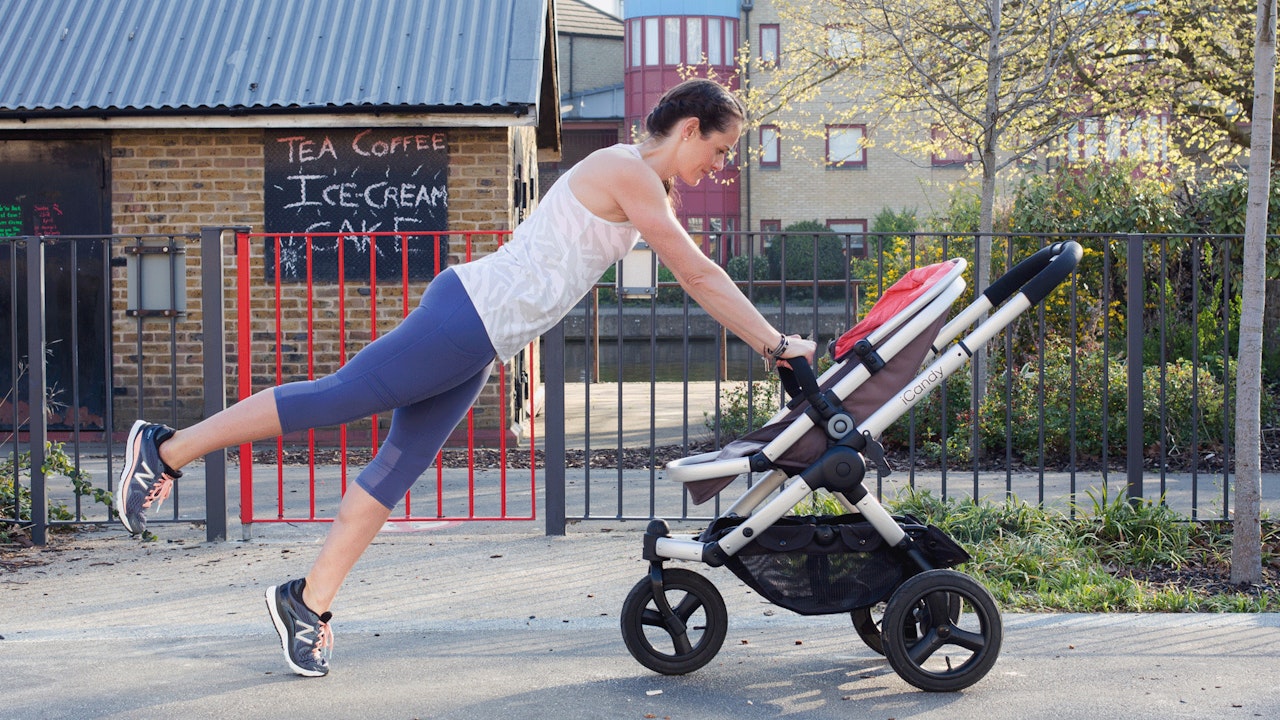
(129, 56)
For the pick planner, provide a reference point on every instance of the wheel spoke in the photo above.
(968, 640)
(687, 607)
(928, 645)
(652, 618)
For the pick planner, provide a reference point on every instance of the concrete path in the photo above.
(498, 621)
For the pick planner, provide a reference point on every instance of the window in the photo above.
(636, 43)
(714, 54)
(1145, 139)
(843, 42)
(651, 41)
(949, 154)
(854, 234)
(671, 41)
(845, 146)
(730, 42)
(769, 50)
(693, 40)
(770, 226)
(770, 155)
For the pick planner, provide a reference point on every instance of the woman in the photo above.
(432, 367)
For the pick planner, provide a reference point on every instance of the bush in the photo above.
(17, 505)
(1093, 400)
(794, 252)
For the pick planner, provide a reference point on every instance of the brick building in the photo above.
(141, 117)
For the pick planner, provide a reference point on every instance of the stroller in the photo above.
(939, 629)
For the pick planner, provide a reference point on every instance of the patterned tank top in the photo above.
(551, 261)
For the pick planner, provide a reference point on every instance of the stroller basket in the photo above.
(822, 565)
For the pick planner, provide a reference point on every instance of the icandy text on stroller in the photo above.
(940, 629)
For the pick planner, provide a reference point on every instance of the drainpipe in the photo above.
(747, 6)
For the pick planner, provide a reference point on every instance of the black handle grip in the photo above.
(799, 380)
(1038, 275)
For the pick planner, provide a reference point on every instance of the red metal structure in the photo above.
(312, 326)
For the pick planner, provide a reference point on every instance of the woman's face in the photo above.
(700, 156)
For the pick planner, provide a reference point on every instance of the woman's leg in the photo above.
(417, 433)
(254, 418)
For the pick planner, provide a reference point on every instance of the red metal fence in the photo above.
(305, 304)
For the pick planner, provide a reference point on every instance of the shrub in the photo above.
(794, 252)
(1098, 407)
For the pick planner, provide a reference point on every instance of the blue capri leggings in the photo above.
(429, 369)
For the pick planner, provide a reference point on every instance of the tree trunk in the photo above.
(1246, 543)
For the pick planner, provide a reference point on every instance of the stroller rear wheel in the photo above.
(867, 622)
(941, 631)
(679, 632)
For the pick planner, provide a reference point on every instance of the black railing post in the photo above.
(37, 399)
(1134, 334)
(553, 434)
(213, 345)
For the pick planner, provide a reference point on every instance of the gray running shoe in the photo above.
(145, 480)
(304, 635)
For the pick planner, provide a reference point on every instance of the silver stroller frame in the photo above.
(924, 618)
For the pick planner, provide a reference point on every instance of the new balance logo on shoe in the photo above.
(141, 487)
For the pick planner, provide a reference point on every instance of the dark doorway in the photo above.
(56, 187)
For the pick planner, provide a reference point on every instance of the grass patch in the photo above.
(1112, 556)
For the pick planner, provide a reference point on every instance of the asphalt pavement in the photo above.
(500, 621)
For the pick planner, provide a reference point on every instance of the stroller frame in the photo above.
(922, 614)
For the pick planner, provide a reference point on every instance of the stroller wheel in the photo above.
(685, 639)
(867, 622)
(941, 631)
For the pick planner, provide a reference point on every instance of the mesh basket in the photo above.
(825, 565)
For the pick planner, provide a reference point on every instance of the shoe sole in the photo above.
(283, 631)
(126, 473)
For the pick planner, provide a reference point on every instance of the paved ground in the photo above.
(489, 621)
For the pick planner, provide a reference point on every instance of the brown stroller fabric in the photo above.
(864, 400)
(861, 403)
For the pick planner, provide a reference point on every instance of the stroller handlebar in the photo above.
(1038, 275)
(799, 379)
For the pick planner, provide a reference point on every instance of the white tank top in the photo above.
(551, 261)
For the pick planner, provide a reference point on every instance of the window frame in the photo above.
(775, 45)
(848, 235)
(776, 162)
(860, 162)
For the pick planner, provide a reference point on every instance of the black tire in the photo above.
(694, 635)
(941, 631)
(866, 621)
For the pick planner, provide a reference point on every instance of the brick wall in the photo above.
(177, 181)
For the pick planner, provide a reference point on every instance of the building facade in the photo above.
(141, 118)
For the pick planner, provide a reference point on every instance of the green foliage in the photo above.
(791, 256)
(15, 502)
(1033, 558)
(1098, 406)
(889, 221)
(745, 407)
(1095, 198)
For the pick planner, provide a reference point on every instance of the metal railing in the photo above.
(1121, 381)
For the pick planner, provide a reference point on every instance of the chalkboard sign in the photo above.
(356, 182)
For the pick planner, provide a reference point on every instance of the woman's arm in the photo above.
(640, 196)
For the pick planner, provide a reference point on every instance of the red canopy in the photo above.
(898, 296)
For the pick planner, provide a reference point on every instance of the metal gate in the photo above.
(304, 306)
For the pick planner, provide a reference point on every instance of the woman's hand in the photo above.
(798, 347)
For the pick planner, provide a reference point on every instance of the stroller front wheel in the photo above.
(941, 631)
(679, 633)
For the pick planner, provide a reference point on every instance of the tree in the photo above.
(1185, 61)
(1246, 545)
(991, 78)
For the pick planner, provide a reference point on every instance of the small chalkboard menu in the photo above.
(356, 182)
